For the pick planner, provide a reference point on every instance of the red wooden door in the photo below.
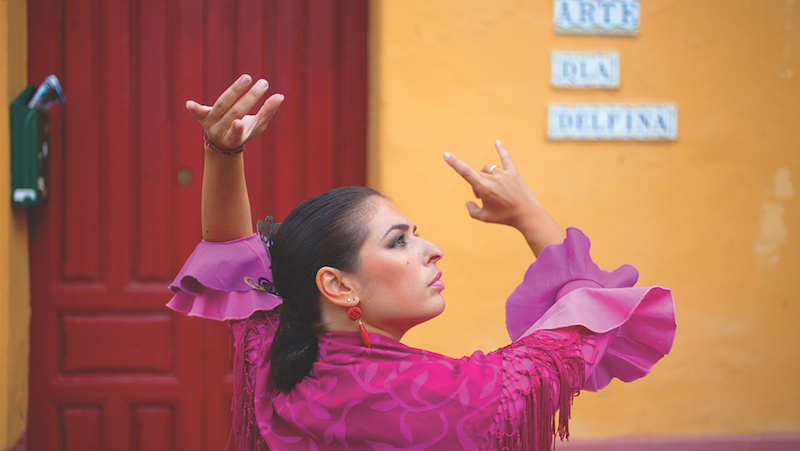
(111, 367)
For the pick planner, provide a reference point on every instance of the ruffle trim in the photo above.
(565, 288)
(223, 305)
(642, 320)
(211, 283)
(546, 278)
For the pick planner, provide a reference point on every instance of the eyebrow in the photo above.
(402, 227)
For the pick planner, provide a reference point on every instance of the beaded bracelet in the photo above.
(210, 145)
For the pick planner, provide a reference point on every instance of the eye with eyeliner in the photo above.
(399, 241)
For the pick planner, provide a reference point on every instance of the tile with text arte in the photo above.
(612, 122)
(596, 17)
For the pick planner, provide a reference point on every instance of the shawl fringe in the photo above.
(245, 433)
(558, 377)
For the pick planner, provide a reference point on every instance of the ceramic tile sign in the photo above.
(612, 122)
(597, 17)
(584, 70)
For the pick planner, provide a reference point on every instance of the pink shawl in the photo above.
(573, 326)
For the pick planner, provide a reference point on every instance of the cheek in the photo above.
(390, 278)
(383, 275)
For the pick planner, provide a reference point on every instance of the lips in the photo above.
(437, 283)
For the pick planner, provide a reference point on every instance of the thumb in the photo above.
(237, 131)
(198, 111)
(474, 210)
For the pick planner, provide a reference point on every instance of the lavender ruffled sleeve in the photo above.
(211, 283)
(565, 288)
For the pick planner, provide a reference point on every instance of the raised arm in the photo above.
(508, 200)
(225, 209)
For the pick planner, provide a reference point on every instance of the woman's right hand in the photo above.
(225, 210)
(226, 123)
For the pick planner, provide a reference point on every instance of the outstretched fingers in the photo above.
(266, 112)
(228, 98)
(505, 158)
(475, 180)
(466, 172)
(247, 101)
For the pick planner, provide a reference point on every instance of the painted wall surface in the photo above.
(713, 215)
(14, 283)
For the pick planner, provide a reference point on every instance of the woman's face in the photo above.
(398, 281)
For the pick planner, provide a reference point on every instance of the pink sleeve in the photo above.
(211, 283)
(631, 327)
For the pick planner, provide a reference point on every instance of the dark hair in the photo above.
(326, 230)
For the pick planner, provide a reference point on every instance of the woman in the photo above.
(322, 366)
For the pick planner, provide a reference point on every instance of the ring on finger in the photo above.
(492, 168)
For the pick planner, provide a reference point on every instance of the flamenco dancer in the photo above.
(319, 304)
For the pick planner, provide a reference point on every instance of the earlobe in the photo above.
(333, 286)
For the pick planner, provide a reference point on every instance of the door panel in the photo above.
(111, 367)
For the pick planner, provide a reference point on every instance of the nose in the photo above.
(432, 253)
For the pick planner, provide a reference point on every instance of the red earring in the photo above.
(354, 313)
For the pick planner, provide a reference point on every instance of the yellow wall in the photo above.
(713, 215)
(14, 284)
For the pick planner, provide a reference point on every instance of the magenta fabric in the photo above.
(211, 283)
(547, 277)
(574, 326)
(642, 319)
(392, 396)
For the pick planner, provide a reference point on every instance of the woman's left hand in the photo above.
(506, 197)
(508, 200)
